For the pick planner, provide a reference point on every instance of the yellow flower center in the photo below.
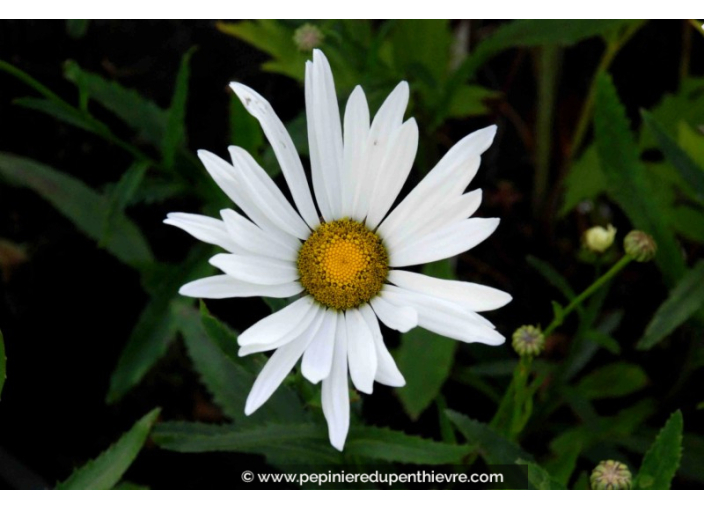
(343, 264)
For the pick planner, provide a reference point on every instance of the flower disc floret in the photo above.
(343, 264)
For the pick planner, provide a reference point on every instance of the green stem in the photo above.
(615, 269)
(548, 66)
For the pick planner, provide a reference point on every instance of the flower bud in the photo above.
(599, 239)
(640, 246)
(610, 475)
(528, 341)
(308, 37)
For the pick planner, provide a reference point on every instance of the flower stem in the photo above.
(613, 271)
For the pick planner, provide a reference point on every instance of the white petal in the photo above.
(206, 229)
(401, 319)
(317, 360)
(475, 297)
(279, 324)
(266, 195)
(386, 371)
(256, 269)
(225, 175)
(449, 178)
(361, 352)
(316, 165)
(284, 149)
(444, 243)
(224, 286)
(335, 392)
(394, 170)
(327, 131)
(446, 212)
(310, 322)
(253, 239)
(446, 318)
(356, 132)
(277, 368)
(386, 121)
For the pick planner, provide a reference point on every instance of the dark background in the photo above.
(68, 307)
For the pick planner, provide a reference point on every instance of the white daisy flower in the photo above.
(344, 261)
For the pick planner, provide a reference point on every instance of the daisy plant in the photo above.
(343, 262)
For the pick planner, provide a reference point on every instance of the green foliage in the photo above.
(86, 208)
(120, 196)
(77, 28)
(585, 181)
(492, 446)
(106, 470)
(552, 276)
(425, 358)
(684, 301)
(539, 478)
(614, 380)
(663, 458)
(626, 177)
(175, 131)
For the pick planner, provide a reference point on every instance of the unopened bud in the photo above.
(599, 239)
(611, 475)
(640, 246)
(528, 341)
(308, 37)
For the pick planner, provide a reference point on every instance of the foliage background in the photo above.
(88, 269)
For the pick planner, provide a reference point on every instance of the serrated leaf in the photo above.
(395, 446)
(690, 172)
(85, 207)
(120, 196)
(685, 299)
(626, 177)
(539, 478)
(492, 446)
(229, 382)
(139, 113)
(107, 469)
(614, 380)
(425, 358)
(663, 458)
(175, 131)
(585, 181)
(3, 363)
(156, 326)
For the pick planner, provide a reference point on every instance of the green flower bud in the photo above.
(640, 246)
(308, 37)
(599, 239)
(528, 341)
(611, 475)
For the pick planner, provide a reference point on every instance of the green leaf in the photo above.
(120, 196)
(425, 358)
(492, 446)
(470, 101)
(688, 222)
(614, 380)
(105, 471)
(156, 326)
(86, 208)
(130, 486)
(663, 458)
(539, 32)
(76, 28)
(690, 140)
(603, 339)
(221, 334)
(175, 132)
(558, 312)
(626, 177)
(423, 43)
(229, 382)
(64, 113)
(684, 300)
(691, 173)
(137, 112)
(3, 363)
(552, 276)
(244, 129)
(585, 181)
(395, 446)
(539, 478)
